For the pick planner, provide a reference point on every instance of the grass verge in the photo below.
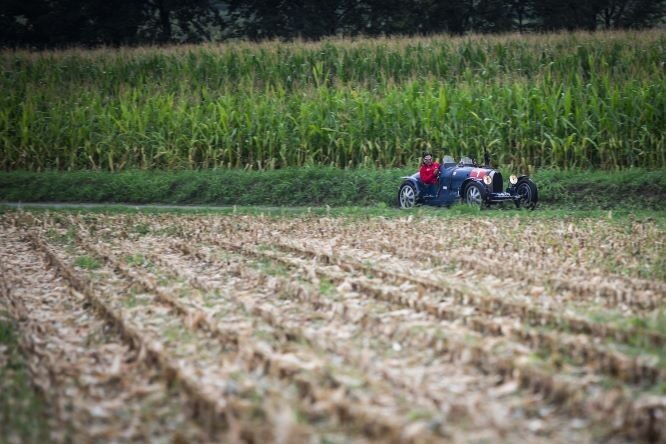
(313, 186)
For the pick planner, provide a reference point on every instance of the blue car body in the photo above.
(467, 182)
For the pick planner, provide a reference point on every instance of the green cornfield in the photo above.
(560, 101)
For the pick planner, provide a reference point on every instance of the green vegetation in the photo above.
(630, 188)
(557, 101)
(22, 411)
(312, 186)
(326, 287)
(66, 239)
(87, 262)
(141, 229)
(270, 268)
(653, 322)
(138, 260)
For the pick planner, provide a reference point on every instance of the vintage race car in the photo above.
(467, 182)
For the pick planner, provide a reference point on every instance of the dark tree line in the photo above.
(49, 23)
(53, 23)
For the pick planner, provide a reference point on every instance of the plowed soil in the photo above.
(161, 328)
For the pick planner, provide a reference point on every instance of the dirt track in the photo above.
(251, 328)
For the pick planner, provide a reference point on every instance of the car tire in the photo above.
(407, 196)
(529, 196)
(475, 195)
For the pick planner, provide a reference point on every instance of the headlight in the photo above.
(513, 179)
(487, 179)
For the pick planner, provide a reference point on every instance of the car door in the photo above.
(458, 176)
(445, 194)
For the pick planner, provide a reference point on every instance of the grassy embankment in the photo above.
(627, 189)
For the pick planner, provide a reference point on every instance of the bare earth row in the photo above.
(294, 330)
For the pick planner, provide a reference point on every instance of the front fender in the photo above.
(466, 182)
(512, 188)
(411, 180)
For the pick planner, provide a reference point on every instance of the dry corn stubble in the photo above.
(341, 333)
(562, 389)
(487, 302)
(269, 314)
(94, 382)
(648, 373)
(281, 357)
(580, 348)
(232, 383)
(320, 305)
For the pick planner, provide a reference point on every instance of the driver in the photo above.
(429, 173)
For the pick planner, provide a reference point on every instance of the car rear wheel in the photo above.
(475, 195)
(407, 196)
(527, 191)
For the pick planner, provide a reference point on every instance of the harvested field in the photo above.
(236, 328)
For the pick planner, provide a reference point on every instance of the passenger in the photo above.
(429, 173)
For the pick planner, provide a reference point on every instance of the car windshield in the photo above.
(448, 159)
(466, 161)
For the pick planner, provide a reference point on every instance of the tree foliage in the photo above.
(56, 23)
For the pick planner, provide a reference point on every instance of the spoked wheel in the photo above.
(407, 196)
(475, 196)
(527, 191)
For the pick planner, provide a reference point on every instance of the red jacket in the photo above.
(429, 173)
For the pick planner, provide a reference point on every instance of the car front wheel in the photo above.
(407, 196)
(475, 195)
(527, 191)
